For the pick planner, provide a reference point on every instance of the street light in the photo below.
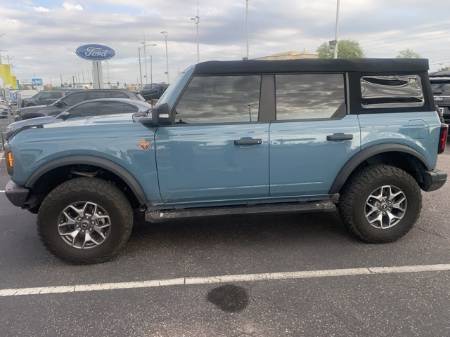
(196, 20)
(140, 66)
(246, 28)
(145, 45)
(338, 5)
(166, 34)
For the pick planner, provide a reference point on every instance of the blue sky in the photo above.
(42, 35)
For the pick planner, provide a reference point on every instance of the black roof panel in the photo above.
(315, 65)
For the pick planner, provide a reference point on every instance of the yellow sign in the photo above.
(7, 79)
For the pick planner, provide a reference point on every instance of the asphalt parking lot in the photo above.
(334, 304)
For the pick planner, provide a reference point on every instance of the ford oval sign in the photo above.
(95, 52)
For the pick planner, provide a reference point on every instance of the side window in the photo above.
(399, 91)
(56, 94)
(310, 96)
(84, 109)
(74, 98)
(220, 99)
(101, 108)
(116, 94)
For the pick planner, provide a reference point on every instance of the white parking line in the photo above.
(183, 281)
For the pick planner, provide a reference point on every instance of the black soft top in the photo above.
(312, 65)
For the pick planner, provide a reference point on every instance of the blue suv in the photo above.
(238, 137)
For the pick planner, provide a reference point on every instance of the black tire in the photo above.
(101, 192)
(352, 203)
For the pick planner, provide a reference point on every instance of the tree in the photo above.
(408, 54)
(346, 49)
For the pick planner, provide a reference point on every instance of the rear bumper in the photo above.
(16, 194)
(434, 180)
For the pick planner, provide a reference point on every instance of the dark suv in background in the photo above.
(44, 97)
(72, 99)
(440, 84)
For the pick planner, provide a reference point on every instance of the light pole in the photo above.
(246, 28)
(140, 66)
(151, 60)
(166, 34)
(336, 31)
(196, 20)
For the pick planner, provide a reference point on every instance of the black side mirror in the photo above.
(158, 116)
(161, 115)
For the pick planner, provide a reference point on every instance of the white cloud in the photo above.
(69, 6)
(383, 27)
(41, 9)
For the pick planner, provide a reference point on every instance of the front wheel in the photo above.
(85, 220)
(380, 203)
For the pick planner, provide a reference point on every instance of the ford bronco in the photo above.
(238, 137)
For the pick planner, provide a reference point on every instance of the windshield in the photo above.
(171, 94)
(440, 88)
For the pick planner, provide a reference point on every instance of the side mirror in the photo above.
(161, 115)
(157, 116)
(64, 115)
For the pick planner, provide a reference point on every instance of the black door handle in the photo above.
(248, 141)
(337, 137)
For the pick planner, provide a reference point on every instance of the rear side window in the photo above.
(310, 96)
(395, 91)
(220, 99)
(75, 98)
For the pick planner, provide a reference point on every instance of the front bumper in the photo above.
(16, 194)
(434, 180)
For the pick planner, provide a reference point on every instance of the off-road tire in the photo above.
(95, 190)
(357, 190)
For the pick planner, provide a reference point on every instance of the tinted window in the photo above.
(220, 99)
(51, 94)
(391, 91)
(101, 108)
(74, 98)
(440, 88)
(310, 96)
(116, 94)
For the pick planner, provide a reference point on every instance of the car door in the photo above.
(313, 135)
(218, 148)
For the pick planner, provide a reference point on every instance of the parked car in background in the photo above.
(96, 107)
(72, 99)
(44, 97)
(239, 137)
(21, 95)
(5, 110)
(153, 91)
(440, 85)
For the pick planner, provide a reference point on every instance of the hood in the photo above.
(30, 122)
(16, 127)
(92, 120)
(51, 123)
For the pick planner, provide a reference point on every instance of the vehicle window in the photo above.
(440, 88)
(50, 94)
(391, 91)
(116, 94)
(310, 96)
(75, 98)
(97, 94)
(101, 108)
(220, 99)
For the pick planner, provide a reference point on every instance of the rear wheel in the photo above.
(380, 204)
(85, 220)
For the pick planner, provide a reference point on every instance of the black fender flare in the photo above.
(102, 163)
(367, 153)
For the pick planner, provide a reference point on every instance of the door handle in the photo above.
(337, 137)
(248, 141)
